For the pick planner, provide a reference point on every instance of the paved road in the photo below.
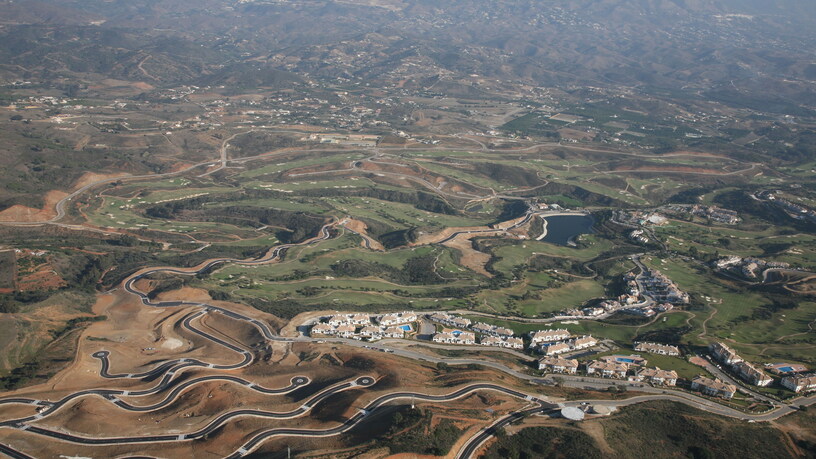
(475, 442)
(213, 425)
(381, 402)
(366, 239)
(168, 370)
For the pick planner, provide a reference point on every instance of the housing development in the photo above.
(393, 229)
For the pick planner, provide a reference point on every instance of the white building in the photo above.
(393, 332)
(582, 342)
(548, 336)
(508, 343)
(657, 376)
(398, 318)
(558, 365)
(800, 383)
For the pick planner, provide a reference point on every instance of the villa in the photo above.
(800, 383)
(558, 365)
(371, 332)
(488, 329)
(351, 319)
(322, 329)
(582, 342)
(607, 369)
(399, 318)
(454, 337)
(546, 336)
(657, 376)
(554, 348)
(346, 331)
(394, 332)
(713, 387)
(510, 343)
(450, 320)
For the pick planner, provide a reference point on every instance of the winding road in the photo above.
(169, 370)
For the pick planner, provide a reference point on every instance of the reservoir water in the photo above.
(563, 228)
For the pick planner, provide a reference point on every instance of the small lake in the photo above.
(563, 228)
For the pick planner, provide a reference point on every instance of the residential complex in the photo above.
(655, 348)
(360, 326)
(554, 348)
(607, 369)
(800, 383)
(657, 376)
(724, 354)
(582, 342)
(548, 336)
(450, 320)
(506, 342)
(660, 288)
(752, 375)
(454, 337)
(558, 365)
(488, 329)
(397, 318)
(713, 387)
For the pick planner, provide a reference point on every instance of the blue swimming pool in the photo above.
(406, 327)
(785, 369)
(621, 359)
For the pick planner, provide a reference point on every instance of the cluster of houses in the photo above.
(716, 214)
(623, 303)
(794, 376)
(554, 342)
(492, 335)
(713, 387)
(658, 287)
(750, 268)
(452, 336)
(630, 367)
(360, 326)
(713, 213)
(797, 211)
(743, 369)
(450, 320)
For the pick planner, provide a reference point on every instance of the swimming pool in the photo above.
(406, 327)
(621, 359)
(785, 369)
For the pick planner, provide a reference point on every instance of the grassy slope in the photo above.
(655, 430)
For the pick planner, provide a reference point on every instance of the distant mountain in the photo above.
(670, 44)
